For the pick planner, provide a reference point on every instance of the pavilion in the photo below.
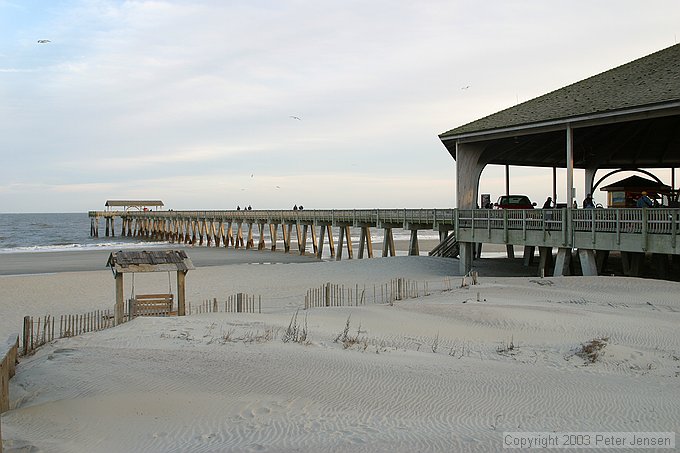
(626, 118)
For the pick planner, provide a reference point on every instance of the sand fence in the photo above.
(335, 295)
(236, 303)
(37, 331)
(8, 360)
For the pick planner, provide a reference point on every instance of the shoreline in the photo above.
(49, 262)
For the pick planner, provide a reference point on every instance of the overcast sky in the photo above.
(193, 102)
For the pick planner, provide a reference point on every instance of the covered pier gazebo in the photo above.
(133, 204)
(625, 118)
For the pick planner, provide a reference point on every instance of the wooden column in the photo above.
(239, 236)
(120, 299)
(299, 238)
(273, 228)
(314, 244)
(388, 242)
(341, 239)
(181, 293)
(413, 249)
(319, 247)
(331, 244)
(345, 230)
(261, 244)
(365, 242)
(250, 243)
(230, 235)
(302, 241)
(285, 232)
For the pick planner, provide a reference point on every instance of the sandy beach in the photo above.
(451, 370)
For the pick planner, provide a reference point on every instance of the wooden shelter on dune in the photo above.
(627, 118)
(158, 304)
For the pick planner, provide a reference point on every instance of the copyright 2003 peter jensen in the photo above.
(529, 440)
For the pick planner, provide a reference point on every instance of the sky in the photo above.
(211, 104)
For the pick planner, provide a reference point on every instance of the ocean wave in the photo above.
(81, 247)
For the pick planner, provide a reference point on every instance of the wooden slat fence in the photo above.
(40, 330)
(8, 360)
(335, 295)
(235, 303)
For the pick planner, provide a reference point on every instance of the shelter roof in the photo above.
(149, 261)
(135, 203)
(627, 117)
(635, 182)
(650, 80)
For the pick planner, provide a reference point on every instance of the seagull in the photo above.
(296, 118)
(465, 87)
(43, 41)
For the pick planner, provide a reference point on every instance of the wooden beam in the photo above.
(120, 300)
(181, 293)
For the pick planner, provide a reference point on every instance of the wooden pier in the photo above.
(593, 232)
(241, 228)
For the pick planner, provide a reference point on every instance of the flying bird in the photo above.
(43, 41)
(296, 118)
(465, 87)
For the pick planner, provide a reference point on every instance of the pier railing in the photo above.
(356, 217)
(654, 230)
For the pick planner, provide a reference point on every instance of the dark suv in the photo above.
(514, 202)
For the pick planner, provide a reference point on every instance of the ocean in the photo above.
(25, 233)
(55, 232)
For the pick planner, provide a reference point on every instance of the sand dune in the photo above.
(443, 372)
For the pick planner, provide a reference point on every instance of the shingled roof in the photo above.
(653, 80)
(635, 182)
(133, 203)
(149, 261)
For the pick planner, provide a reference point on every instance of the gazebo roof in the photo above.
(635, 182)
(626, 117)
(135, 203)
(149, 261)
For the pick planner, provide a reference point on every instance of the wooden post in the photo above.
(239, 236)
(250, 243)
(330, 240)
(314, 244)
(181, 290)
(273, 228)
(350, 252)
(365, 242)
(328, 295)
(239, 303)
(286, 236)
(322, 232)
(341, 240)
(118, 312)
(302, 242)
(26, 333)
(261, 244)
(413, 248)
(388, 242)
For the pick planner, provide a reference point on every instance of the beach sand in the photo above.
(448, 371)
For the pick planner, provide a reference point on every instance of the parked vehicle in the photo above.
(514, 202)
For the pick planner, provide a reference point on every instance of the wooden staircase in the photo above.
(447, 248)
